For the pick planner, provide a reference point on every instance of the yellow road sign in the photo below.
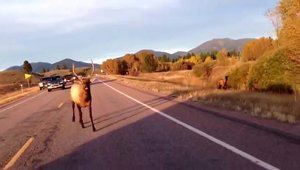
(27, 76)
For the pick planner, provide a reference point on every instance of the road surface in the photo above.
(135, 130)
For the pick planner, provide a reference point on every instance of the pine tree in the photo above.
(27, 67)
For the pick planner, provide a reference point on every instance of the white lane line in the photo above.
(3, 110)
(18, 154)
(60, 105)
(203, 134)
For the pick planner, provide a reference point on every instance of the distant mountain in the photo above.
(212, 45)
(179, 53)
(69, 62)
(218, 44)
(38, 66)
(156, 53)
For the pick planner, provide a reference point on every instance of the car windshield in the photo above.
(44, 79)
(54, 78)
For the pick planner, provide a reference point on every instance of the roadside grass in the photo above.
(183, 85)
(14, 95)
(16, 77)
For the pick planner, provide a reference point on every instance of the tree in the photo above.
(133, 63)
(111, 66)
(222, 59)
(274, 17)
(204, 70)
(27, 67)
(44, 70)
(195, 59)
(58, 67)
(65, 67)
(164, 58)
(148, 62)
(289, 33)
(257, 48)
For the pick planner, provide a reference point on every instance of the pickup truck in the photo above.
(54, 82)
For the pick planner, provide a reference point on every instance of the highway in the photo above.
(135, 129)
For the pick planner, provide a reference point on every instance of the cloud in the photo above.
(76, 13)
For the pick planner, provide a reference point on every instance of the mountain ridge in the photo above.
(39, 66)
(212, 45)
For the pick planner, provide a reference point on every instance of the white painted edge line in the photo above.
(203, 134)
(12, 106)
(18, 154)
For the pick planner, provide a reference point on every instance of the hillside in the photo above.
(156, 53)
(38, 66)
(218, 44)
(179, 53)
(208, 46)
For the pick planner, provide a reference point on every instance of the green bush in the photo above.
(273, 72)
(237, 78)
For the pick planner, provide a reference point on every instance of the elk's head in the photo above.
(84, 81)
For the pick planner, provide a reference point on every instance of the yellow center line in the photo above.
(18, 154)
(60, 105)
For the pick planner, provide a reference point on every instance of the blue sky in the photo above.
(51, 30)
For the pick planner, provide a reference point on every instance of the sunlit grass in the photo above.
(182, 84)
(13, 95)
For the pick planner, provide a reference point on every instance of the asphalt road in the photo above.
(135, 130)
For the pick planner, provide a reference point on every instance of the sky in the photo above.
(52, 30)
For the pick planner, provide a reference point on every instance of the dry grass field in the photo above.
(10, 86)
(16, 94)
(184, 85)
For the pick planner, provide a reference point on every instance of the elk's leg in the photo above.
(80, 116)
(73, 107)
(91, 117)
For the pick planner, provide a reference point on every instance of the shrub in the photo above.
(273, 72)
(203, 70)
(237, 78)
(182, 65)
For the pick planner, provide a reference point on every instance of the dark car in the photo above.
(54, 82)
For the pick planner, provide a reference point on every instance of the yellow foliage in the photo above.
(289, 34)
(256, 48)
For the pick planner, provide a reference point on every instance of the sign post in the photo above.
(21, 88)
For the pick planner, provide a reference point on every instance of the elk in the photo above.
(81, 96)
(222, 84)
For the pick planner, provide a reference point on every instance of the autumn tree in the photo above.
(148, 62)
(222, 59)
(27, 67)
(164, 58)
(256, 48)
(111, 66)
(133, 63)
(289, 33)
(44, 70)
(65, 66)
(58, 67)
(195, 59)
(204, 69)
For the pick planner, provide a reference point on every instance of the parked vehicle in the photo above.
(43, 83)
(55, 82)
